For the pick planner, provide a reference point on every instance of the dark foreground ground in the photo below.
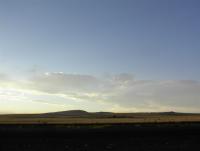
(118, 137)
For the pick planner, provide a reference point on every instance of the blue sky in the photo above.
(150, 39)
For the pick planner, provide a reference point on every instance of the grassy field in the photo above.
(31, 119)
(100, 132)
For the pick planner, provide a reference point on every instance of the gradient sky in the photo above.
(108, 46)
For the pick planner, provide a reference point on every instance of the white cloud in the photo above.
(120, 92)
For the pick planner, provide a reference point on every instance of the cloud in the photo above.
(120, 92)
(4, 77)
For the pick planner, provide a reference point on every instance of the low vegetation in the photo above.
(82, 117)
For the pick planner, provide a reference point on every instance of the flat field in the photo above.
(95, 137)
(140, 118)
(107, 132)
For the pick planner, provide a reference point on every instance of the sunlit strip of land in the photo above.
(148, 118)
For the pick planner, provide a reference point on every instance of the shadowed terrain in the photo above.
(83, 117)
(78, 130)
(115, 137)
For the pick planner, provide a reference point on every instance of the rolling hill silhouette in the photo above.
(70, 113)
(82, 113)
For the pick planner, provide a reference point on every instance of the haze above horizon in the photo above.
(116, 55)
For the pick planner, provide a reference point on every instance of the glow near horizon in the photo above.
(155, 42)
(116, 93)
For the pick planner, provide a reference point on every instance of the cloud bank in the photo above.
(118, 93)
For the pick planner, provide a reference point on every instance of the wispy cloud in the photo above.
(120, 92)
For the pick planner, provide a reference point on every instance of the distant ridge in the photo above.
(69, 113)
(82, 113)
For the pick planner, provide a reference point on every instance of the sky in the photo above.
(108, 55)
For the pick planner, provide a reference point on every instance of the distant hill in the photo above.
(83, 117)
(82, 113)
(69, 113)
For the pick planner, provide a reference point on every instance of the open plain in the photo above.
(75, 131)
